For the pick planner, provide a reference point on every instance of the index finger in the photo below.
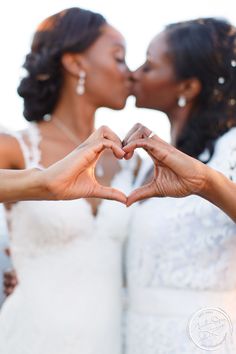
(165, 153)
(107, 133)
(137, 132)
(109, 144)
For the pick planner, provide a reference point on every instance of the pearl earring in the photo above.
(80, 89)
(182, 101)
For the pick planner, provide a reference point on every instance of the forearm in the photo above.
(220, 191)
(22, 185)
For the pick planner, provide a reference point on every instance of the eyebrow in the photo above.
(122, 46)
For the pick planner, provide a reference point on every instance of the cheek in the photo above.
(115, 75)
(145, 88)
(106, 75)
(106, 85)
(153, 92)
(160, 85)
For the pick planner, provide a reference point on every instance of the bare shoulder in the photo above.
(11, 156)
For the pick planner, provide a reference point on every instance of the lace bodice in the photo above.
(41, 226)
(186, 243)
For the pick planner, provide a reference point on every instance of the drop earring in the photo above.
(182, 101)
(80, 89)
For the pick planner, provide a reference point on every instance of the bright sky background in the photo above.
(139, 21)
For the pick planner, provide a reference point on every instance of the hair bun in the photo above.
(71, 30)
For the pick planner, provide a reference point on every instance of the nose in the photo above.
(127, 71)
(129, 74)
(135, 75)
(131, 78)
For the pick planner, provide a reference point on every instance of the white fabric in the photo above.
(166, 302)
(68, 263)
(186, 245)
(4, 260)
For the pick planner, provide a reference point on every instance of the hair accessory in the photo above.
(232, 102)
(221, 80)
(233, 63)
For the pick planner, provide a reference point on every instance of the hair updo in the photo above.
(206, 49)
(69, 31)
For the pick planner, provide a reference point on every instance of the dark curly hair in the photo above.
(70, 31)
(206, 49)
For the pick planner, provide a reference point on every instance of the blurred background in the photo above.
(139, 21)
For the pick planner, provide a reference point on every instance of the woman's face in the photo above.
(108, 78)
(154, 83)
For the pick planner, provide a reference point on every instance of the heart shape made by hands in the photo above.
(110, 192)
(174, 172)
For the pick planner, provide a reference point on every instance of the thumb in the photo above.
(141, 193)
(110, 193)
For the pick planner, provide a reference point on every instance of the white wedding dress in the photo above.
(68, 264)
(4, 260)
(181, 258)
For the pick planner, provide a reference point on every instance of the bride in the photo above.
(67, 254)
(181, 252)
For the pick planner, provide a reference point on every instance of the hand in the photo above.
(74, 177)
(9, 281)
(175, 173)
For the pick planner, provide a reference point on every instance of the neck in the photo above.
(178, 117)
(76, 114)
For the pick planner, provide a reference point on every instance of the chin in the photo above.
(139, 104)
(118, 105)
(142, 104)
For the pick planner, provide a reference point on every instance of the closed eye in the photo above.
(146, 67)
(120, 60)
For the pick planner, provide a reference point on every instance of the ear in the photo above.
(190, 89)
(72, 63)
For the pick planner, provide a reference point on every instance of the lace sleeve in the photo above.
(224, 158)
(232, 163)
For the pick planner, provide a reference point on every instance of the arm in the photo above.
(72, 177)
(21, 185)
(179, 175)
(220, 191)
